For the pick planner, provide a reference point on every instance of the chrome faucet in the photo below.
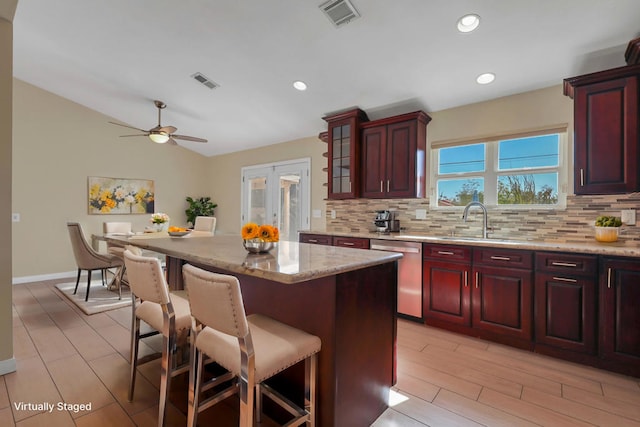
(485, 227)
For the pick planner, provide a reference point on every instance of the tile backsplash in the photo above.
(575, 223)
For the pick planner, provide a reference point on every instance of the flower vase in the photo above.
(160, 226)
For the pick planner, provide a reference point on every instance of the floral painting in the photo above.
(120, 196)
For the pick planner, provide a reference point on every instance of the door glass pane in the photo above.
(258, 200)
(289, 222)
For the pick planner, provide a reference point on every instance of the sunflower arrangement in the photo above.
(262, 233)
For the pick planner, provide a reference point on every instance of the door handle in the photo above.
(565, 279)
(609, 278)
(582, 177)
(466, 279)
(477, 279)
(381, 189)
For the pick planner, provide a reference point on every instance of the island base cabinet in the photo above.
(565, 312)
(619, 313)
(502, 302)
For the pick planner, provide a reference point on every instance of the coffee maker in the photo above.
(386, 221)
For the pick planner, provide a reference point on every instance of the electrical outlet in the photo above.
(15, 217)
(628, 216)
(421, 214)
(333, 214)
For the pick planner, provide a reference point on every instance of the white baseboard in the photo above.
(7, 366)
(41, 277)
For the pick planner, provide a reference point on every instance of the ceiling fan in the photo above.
(161, 134)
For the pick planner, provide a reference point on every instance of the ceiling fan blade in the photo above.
(139, 134)
(167, 129)
(189, 138)
(172, 141)
(127, 126)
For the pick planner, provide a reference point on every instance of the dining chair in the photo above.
(87, 258)
(251, 348)
(121, 229)
(167, 313)
(205, 223)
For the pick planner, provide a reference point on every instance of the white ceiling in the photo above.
(117, 56)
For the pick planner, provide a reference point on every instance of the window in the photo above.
(509, 172)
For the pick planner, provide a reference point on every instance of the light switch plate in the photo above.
(628, 216)
(317, 213)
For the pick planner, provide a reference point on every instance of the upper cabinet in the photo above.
(344, 153)
(376, 159)
(606, 131)
(393, 156)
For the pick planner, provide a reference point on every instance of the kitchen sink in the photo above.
(456, 239)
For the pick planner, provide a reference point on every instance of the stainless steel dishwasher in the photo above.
(409, 275)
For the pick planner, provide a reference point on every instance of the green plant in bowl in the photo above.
(201, 206)
(607, 228)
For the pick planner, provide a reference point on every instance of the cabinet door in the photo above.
(401, 159)
(447, 293)
(565, 311)
(374, 141)
(502, 301)
(619, 313)
(606, 137)
(343, 179)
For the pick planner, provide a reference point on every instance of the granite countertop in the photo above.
(622, 247)
(289, 262)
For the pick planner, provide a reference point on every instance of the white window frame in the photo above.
(491, 173)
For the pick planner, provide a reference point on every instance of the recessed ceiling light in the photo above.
(300, 85)
(468, 23)
(485, 78)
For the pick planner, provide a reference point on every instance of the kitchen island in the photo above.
(347, 297)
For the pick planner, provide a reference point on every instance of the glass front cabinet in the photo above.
(343, 153)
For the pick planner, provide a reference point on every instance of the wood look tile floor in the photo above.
(444, 379)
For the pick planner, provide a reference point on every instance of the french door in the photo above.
(277, 194)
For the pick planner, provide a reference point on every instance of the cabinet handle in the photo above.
(312, 241)
(500, 258)
(477, 279)
(564, 264)
(582, 177)
(381, 190)
(348, 243)
(466, 279)
(609, 277)
(565, 279)
(387, 186)
(349, 186)
(445, 253)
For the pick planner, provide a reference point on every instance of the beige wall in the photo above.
(57, 145)
(7, 11)
(225, 173)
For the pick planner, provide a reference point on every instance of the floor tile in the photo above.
(4, 394)
(53, 419)
(6, 418)
(79, 385)
(30, 383)
(52, 344)
(88, 342)
(109, 416)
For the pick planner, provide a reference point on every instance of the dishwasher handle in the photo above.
(401, 249)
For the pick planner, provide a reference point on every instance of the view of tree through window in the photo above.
(521, 171)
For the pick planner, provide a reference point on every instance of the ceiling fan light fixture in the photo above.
(159, 137)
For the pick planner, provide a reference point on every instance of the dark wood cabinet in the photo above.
(316, 239)
(619, 313)
(606, 133)
(446, 291)
(565, 301)
(393, 156)
(502, 292)
(351, 242)
(344, 153)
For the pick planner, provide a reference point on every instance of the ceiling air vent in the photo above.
(340, 12)
(199, 77)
